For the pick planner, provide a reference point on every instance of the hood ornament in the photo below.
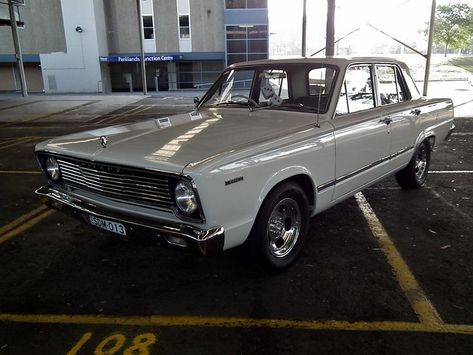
(104, 141)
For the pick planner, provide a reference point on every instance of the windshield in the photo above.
(234, 88)
(290, 87)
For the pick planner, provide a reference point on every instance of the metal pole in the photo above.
(304, 28)
(330, 31)
(18, 55)
(429, 48)
(142, 50)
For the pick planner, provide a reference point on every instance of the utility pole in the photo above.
(429, 48)
(18, 55)
(142, 50)
(330, 31)
(304, 28)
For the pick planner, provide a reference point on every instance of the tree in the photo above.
(453, 26)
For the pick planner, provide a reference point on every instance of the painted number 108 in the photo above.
(140, 345)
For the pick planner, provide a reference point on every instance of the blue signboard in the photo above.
(137, 58)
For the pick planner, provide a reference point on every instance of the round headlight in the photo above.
(52, 167)
(185, 197)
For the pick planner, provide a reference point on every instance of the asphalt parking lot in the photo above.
(387, 271)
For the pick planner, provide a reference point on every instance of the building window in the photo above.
(245, 43)
(184, 28)
(148, 27)
(256, 4)
(246, 4)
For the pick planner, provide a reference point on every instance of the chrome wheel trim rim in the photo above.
(421, 163)
(284, 226)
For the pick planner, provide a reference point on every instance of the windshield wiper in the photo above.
(300, 107)
(226, 103)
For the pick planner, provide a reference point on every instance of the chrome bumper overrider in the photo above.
(203, 241)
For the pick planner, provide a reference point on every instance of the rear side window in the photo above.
(390, 86)
(357, 90)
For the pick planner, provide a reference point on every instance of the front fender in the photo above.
(280, 176)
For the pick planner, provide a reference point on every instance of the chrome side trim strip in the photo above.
(359, 171)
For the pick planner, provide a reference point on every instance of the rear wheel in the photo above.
(280, 228)
(415, 173)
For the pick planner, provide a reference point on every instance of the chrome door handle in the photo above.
(386, 120)
(416, 112)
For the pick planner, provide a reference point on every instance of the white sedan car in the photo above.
(270, 145)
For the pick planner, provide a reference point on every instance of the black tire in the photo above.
(414, 174)
(280, 228)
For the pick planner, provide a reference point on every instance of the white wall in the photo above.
(77, 70)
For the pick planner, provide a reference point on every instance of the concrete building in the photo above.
(93, 45)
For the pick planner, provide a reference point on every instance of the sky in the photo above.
(402, 19)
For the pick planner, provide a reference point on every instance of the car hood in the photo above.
(171, 143)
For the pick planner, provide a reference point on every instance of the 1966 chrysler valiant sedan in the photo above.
(271, 144)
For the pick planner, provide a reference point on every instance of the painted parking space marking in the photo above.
(3, 108)
(234, 322)
(462, 134)
(20, 140)
(113, 116)
(15, 142)
(24, 172)
(4, 141)
(421, 305)
(453, 207)
(22, 219)
(25, 222)
(451, 172)
(52, 114)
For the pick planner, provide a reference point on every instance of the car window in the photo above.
(389, 87)
(321, 80)
(301, 88)
(357, 90)
(273, 87)
(235, 86)
(319, 83)
(403, 95)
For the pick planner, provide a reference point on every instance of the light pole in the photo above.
(304, 28)
(142, 50)
(330, 31)
(18, 55)
(429, 48)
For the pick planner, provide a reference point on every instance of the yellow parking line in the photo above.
(421, 305)
(31, 172)
(16, 141)
(233, 322)
(25, 226)
(22, 219)
(8, 140)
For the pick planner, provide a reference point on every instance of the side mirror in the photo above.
(196, 100)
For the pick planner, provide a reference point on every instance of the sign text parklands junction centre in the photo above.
(137, 58)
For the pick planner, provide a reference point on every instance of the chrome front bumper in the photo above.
(202, 241)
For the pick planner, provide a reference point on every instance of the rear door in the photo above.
(361, 133)
(401, 116)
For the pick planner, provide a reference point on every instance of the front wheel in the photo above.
(280, 227)
(415, 173)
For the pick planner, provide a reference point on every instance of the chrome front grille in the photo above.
(130, 185)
